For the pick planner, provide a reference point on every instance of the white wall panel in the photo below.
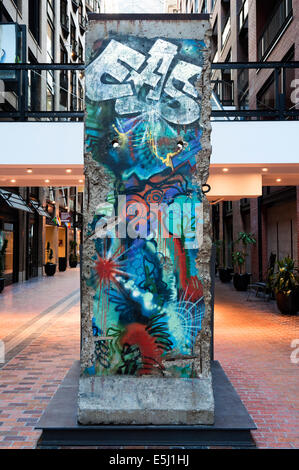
(61, 143)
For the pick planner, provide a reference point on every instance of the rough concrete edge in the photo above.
(88, 416)
(203, 340)
(95, 176)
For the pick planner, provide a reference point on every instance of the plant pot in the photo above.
(73, 262)
(2, 283)
(50, 269)
(241, 281)
(288, 304)
(225, 275)
(62, 264)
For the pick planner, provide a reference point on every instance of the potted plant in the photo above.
(62, 263)
(73, 260)
(2, 264)
(286, 286)
(242, 279)
(50, 267)
(225, 274)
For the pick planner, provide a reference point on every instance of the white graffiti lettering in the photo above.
(138, 87)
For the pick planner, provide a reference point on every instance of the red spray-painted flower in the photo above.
(136, 334)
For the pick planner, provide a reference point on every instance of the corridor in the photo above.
(40, 326)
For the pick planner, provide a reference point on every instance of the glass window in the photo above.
(7, 234)
(50, 43)
(50, 91)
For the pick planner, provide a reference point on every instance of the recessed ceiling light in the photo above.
(225, 170)
(68, 170)
(13, 181)
(80, 181)
(47, 181)
(29, 170)
(278, 180)
(264, 169)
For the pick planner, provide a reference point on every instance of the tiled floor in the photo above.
(44, 316)
(39, 322)
(253, 344)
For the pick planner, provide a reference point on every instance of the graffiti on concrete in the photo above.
(143, 126)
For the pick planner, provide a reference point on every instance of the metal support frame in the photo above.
(279, 113)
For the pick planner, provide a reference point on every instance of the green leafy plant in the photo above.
(239, 256)
(2, 257)
(50, 254)
(286, 279)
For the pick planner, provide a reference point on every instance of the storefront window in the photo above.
(7, 234)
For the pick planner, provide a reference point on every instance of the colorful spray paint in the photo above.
(144, 230)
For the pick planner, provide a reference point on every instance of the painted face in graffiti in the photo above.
(143, 126)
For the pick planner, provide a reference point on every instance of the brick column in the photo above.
(265, 258)
(297, 223)
(237, 220)
(254, 228)
(221, 234)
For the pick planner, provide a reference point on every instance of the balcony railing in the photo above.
(24, 86)
(282, 91)
(24, 97)
(224, 90)
(274, 28)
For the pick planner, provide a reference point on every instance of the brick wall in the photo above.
(289, 38)
(265, 259)
(297, 223)
(254, 228)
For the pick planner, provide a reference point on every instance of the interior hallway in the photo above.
(40, 324)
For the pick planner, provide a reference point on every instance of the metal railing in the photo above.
(224, 90)
(279, 79)
(274, 27)
(24, 94)
(25, 91)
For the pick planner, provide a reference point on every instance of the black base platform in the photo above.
(231, 429)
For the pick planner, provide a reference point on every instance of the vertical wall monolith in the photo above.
(146, 313)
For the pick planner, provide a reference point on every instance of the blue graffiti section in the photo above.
(143, 126)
